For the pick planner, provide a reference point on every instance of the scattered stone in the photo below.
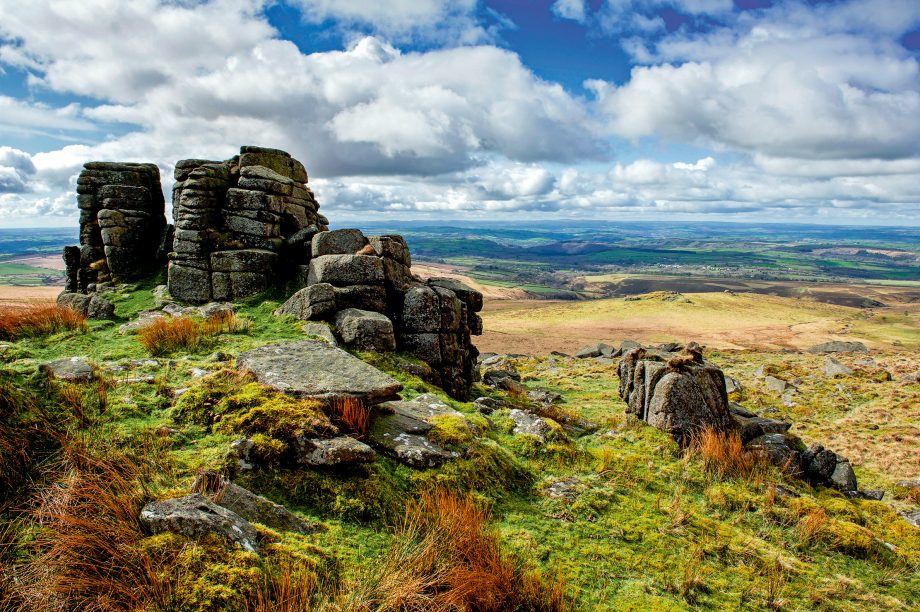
(314, 368)
(544, 397)
(870, 494)
(777, 385)
(196, 515)
(912, 517)
(527, 423)
(732, 385)
(838, 346)
(781, 449)
(249, 506)
(144, 319)
(911, 378)
(843, 477)
(100, 308)
(343, 450)
(242, 449)
(594, 350)
(912, 483)
(566, 489)
(833, 368)
(784, 491)
(72, 369)
(365, 330)
(487, 405)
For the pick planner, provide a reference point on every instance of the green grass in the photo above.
(649, 529)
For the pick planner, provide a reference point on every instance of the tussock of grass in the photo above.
(446, 557)
(165, 336)
(350, 414)
(39, 320)
(724, 456)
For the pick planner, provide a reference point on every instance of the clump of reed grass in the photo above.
(18, 322)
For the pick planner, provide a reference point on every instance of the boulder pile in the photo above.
(364, 285)
(681, 393)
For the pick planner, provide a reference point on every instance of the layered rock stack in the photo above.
(122, 224)
(241, 224)
(364, 285)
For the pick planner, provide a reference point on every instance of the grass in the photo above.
(724, 456)
(18, 322)
(350, 413)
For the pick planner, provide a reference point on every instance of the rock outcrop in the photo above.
(242, 225)
(680, 394)
(365, 286)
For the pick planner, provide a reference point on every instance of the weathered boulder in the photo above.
(313, 302)
(821, 466)
(74, 301)
(343, 450)
(753, 427)
(595, 350)
(680, 394)
(73, 369)
(838, 346)
(781, 449)
(346, 270)
(321, 330)
(315, 368)
(195, 515)
(843, 477)
(100, 308)
(365, 330)
(338, 242)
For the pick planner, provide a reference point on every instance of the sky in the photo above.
(495, 110)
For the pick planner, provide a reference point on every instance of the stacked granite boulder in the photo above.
(122, 224)
(681, 393)
(241, 225)
(364, 285)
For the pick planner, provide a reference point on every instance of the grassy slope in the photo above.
(649, 529)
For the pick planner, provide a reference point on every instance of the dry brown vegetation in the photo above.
(350, 413)
(165, 336)
(445, 556)
(724, 456)
(37, 320)
(85, 555)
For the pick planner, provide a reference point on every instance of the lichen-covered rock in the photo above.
(195, 515)
(72, 369)
(365, 330)
(338, 242)
(342, 450)
(837, 346)
(249, 506)
(308, 368)
(346, 270)
(527, 423)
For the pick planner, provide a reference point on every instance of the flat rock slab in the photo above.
(309, 368)
(422, 408)
(342, 450)
(72, 369)
(412, 449)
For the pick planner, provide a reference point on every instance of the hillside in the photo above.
(614, 512)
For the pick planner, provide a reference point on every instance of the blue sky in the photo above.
(735, 110)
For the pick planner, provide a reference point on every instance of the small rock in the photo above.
(527, 423)
(843, 477)
(487, 405)
(912, 517)
(566, 489)
(342, 450)
(594, 350)
(420, 369)
(196, 515)
(781, 450)
(220, 357)
(322, 331)
(732, 385)
(100, 309)
(870, 494)
(73, 369)
(777, 385)
(833, 368)
(241, 449)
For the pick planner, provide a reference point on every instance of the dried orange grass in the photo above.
(446, 557)
(37, 320)
(165, 336)
(724, 455)
(350, 413)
